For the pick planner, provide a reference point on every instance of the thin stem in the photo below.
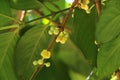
(53, 42)
(36, 71)
(47, 15)
(54, 39)
(11, 18)
(56, 24)
(20, 16)
(69, 13)
(98, 6)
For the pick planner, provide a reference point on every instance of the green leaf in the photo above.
(8, 42)
(108, 57)
(28, 50)
(57, 71)
(24, 4)
(72, 56)
(83, 31)
(4, 10)
(76, 76)
(108, 26)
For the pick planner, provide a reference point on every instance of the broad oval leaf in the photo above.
(108, 26)
(28, 50)
(83, 31)
(8, 42)
(108, 57)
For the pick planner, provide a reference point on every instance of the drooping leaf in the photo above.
(24, 4)
(7, 44)
(4, 10)
(108, 57)
(108, 26)
(83, 31)
(72, 56)
(28, 50)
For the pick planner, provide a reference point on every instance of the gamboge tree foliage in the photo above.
(54, 40)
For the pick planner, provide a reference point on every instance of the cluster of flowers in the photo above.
(45, 54)
(62, 37)
(84, 4)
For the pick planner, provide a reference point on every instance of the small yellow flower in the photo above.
(45, 54)
(40, 61)
(53, 31)
(84, 6)
(35, 63)
(62, 38)
(47, 64)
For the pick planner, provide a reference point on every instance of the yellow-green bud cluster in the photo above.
(45, 55)
(53, 30)
(83, 4)
(63, 36)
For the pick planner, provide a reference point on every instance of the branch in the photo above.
(20, 16)
(69, 13)
(98, 6)
(54, 39)
(54, 22)
(47, 15)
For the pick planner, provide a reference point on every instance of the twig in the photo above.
(20, 16)
(36, 71)
(54, 22)
(98, 6)
(48, 15)
(69, 12)
(53, 41)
